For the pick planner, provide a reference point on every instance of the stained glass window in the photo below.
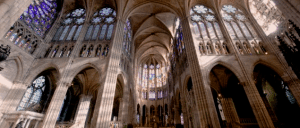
(152, 95)
(127, 37)
(268, 16)
(159, 94)
(239, 28)
(288, 93)
(102, 25)
(145, 76)
(151, 76)
(206, 28)
(40, 15)
(74, 21)
(33, 93)
(158, 76)
(179, 38)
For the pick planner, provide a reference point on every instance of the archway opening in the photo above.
(38, 95)
(227, 90)
(277, 97)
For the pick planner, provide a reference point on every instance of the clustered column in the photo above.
(105, 104)
(82, 110)
(203, 97)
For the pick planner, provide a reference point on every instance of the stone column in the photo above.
(55, 106)
(262, 116)
(10, 12)
(82, 110)
(105, 104)
(230, 112)
(203, 97)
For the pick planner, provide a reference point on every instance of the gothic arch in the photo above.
(237, 73)
(41, 69)
(20, 67)
(81, 68)
(278, 69)
(236, 5)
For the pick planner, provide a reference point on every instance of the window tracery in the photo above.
(21, 37)
(71, 26)
(33, 93)
(239, 28)
(268, 16)
(127, 38)
(206, 29)
(40, 15)
(152, 76)
(102, 25)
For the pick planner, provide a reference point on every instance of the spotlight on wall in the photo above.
(4, 53)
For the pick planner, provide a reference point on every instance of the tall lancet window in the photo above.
(151, 76)
(127, 38)
(71, 26)
(180, 46)
(206, 30)
(158, 76)
(140, 73)
(40, 15)
(102, 25)
(268, 16)
(145, 76)
(240, 29)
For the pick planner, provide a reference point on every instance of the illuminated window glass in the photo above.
(40, 15)
(151, 95)
(151, 76)
(71, 20)
(33, 93)
(268, 16)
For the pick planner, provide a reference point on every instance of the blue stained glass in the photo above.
(97, 20)
(68, 21)
(77, 32)
(38, 13)
(71, 33)
(109, 33)
(89, 32)
(109, 20)
(105, 11)
(229, 9)
(80, 21)
(33, 93)
(103, 31)
(97, 28)
(78, 12)
(64, 33)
